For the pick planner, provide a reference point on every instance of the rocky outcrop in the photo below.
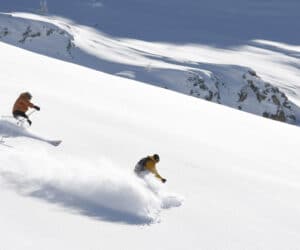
(250, 94)
(201, 89)
(3, 32)
(36, 36)
(29, 34)
(272, 102)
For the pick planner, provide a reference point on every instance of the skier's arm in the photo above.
(28, 103)
(31, 105)
(153, 170)
(163, 180)
(157, 174)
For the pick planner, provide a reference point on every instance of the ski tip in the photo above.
(55, 143)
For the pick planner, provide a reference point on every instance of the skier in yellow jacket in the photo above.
(148, 165)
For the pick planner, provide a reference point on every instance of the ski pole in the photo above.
(31, 112)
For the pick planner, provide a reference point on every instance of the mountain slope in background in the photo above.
(209, 22)
(180, 70)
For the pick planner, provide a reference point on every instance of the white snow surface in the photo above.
(232, 177)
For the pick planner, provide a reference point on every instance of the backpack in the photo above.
(140, 166)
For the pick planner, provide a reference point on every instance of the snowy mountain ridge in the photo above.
(252, 95)
(62, 39)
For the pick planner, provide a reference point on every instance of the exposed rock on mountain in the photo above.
(252, 95)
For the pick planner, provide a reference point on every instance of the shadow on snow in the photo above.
(71, 202)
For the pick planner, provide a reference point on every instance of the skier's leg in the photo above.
(18, 114)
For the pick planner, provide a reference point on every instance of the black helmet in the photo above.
(156, 157)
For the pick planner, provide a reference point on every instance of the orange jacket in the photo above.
(22, 103)
(150, 166)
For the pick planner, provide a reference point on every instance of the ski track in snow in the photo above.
(98, 189)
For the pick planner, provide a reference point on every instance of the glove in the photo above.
(163, 180)
(37, 108)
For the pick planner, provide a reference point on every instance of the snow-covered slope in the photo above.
(231, 185)
(195, 69)
(232, 177)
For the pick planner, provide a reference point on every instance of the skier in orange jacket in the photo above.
(148, 165)
(21, 106)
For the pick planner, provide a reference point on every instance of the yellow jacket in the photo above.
(150, 165)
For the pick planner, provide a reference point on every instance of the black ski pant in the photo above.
(18, 113)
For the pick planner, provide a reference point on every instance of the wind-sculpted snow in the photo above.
(98, 189)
